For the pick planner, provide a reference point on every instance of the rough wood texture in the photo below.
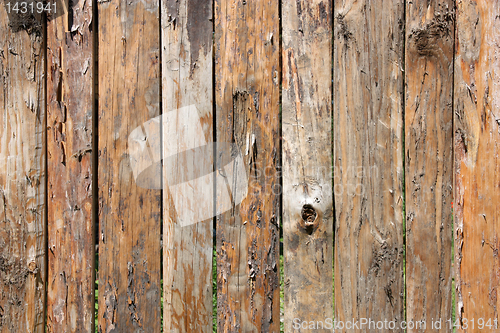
(428, 159)
(477, 164)
(368, 159)
(307, 161)
(187, 41)
(129, 216)
(22, 180)
(247, 111)
(70, 290)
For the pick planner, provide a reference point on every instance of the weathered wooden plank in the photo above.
(477, 164)
(70, 100)
(307, 163)
(428, 160)
(247, 113)
(22, 176)
(129, 215)
(368, 159)
(187, 70)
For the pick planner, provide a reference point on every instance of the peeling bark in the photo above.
(70, 295)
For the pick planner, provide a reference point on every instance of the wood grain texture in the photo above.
(22, 177)
(70, 290)
(247, 111)
(477, 163)
(187, 69)
(129, 216)
(428, 160)
(307, 162)
(368, 159)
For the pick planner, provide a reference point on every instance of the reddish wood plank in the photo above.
(70, 290)
(22, 176)
(129, 216)
(187, 69)
(477, 164)
(247, 113)
(428, 160)
(368, 159)
(307, 163)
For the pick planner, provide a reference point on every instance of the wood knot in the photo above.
(32, 267)
(309, 217)
(428, 40)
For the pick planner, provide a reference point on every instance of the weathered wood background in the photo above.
(358, 124)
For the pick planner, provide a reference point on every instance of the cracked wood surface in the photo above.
(369, 103)
(307, 161)
(129, 216)
(70, 290)
(368, 159)
(247, 110)
(477, 163)
(428, 159)
(22, 179)
(187, 249)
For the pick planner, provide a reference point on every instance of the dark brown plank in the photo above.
(428, 160)
(187, 76)
(22, 175)
(477, 164)
(307, 161)
(70, 290)
(129, 215)
(368, 159)
(247, 113)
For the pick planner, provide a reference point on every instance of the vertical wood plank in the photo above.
(247, 113)
(129, 216)
(477, 164)
(368, 159)
(307, 162)
(22, 176)
(70, 290)
(428, 160)
(187, 78)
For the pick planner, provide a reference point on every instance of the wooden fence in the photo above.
(369, 130)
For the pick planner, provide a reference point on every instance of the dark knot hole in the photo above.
(309, 216)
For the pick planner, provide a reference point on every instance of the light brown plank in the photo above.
(22, 176)
(368, 159)
(477, 164)
(428, 160)
(70, 290)
(187, 41)
(307, 164)
(247, 112)
(129, 215)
